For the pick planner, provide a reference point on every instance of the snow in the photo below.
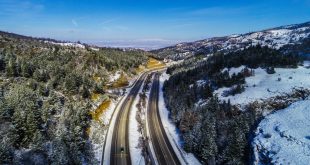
(199, 83)
(279, 37)
(171, 62)
(280, 32)
(115, 76)
(98, 149)
(284, 135)
(97, 135)
(234, 70)
(171, 130)
(70, 44)
(234, 35)
(274, 38)
(263, 85)
(106, 116)
(94, 49)
(134, 135)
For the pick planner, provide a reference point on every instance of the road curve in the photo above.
(161, 144)
(120, 154)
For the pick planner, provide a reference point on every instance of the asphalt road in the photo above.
(161, 144)
(120, 154)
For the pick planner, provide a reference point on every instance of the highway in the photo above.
(120, 154)
(164, 152)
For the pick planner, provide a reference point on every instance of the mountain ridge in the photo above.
(273, 37)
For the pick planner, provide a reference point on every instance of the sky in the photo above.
(146, 23)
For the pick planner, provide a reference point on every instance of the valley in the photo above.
(237, 99)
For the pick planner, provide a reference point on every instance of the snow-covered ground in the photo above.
(274, 38)
(70, 44)
(115, 76)
(284, 136)
(97, 132)
(94, 49)
(234, 70)
(171, 130)
(264, 86)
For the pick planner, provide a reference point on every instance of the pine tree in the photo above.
(18, 128)
(209, 147)
(31, 126)
(11, 69)
(26, 70)
(59, 153)
(37, 140)
(6, 152)
(2, 62)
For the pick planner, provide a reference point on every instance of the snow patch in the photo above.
(97, 133)
(94, 49)
(70, 44)
(263, 85)
(115, 76)
(284, 136)
(233, 70)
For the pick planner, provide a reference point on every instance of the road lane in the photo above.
(120, 154)
(164, 152)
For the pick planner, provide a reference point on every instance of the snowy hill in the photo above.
(232, 91)
(283, 137)
(262, 85)
(274, 38)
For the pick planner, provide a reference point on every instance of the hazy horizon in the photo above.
(146, 24)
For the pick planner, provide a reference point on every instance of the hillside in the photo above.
(217, 101)
(283, 137)
(204, 101)
(273, 38)
(49, 91)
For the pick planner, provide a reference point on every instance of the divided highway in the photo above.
(161, 144)
(120, 154)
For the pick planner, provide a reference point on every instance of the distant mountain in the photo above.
(274, 38)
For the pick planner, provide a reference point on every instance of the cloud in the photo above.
(19, 8)
(107, 29)
(117, 28)
(74, 23)
(122, 28)
(181, 25)
(106, 26)
(109, 21)
(212, 11)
